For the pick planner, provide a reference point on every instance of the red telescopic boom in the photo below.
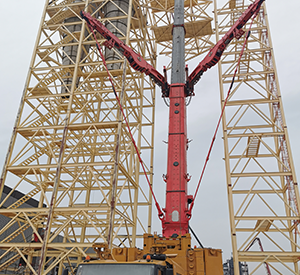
(177, 214)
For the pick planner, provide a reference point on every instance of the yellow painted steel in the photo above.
(262, 188)
(71, 150)
(178, 251)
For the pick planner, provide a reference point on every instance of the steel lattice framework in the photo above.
(70, 149)
(262, 188)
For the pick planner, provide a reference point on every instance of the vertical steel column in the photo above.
(176, 221)
(178, 50)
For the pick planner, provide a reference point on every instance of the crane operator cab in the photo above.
(116, 268)
(126, 261)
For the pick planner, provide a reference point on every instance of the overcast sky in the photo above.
(20, 21)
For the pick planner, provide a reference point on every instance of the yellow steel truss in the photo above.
(262, 188)
(71, 150)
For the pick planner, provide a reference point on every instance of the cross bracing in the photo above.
(261, 182)
(71, 150)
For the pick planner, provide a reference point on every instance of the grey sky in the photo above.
(20, 21)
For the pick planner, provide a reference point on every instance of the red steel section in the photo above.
(175, 221)
(136, 60)
(214, 55)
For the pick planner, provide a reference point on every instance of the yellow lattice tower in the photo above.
(262, 188)
(71, 150)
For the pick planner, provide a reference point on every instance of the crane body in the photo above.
(170, 253)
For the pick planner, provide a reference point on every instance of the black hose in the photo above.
(196, 237)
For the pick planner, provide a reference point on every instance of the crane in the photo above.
(171, 252)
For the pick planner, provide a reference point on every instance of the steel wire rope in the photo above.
(189, 215)
(187, 102)
(160, 213)
(166, 102)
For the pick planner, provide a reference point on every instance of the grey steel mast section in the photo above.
(178, 51)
